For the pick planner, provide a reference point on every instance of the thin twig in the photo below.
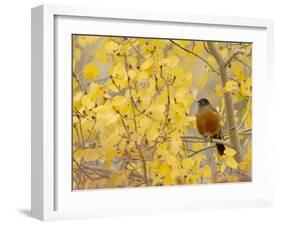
(229, 60)
(194, 54)
(205, 140)
(131, 95)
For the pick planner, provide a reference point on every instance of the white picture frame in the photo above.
(52, 197)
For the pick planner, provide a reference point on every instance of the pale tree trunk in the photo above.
(229, 109)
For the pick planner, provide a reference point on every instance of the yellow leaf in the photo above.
(162, 149)
(119, 69)
(154, 165)
(118, 179)
(244, 165)
(171, 160)
(168, 180)
(187, 163)
(190, 180)
(76, 54)
(219, 90)
(231, 86)
(107, 164)
(119, 102)
(87, 100)
(132, 74)
(199, 157)
(237, 70)
(229, 151)
(156, 110)
(90, 71)
(175, 173)
(146, 64)
(224, 52)
(183, 42)
(232, 178)
(231, 162)
(199, 47)
(133, 61)
(77, 99)
(211, 60)
(164, 169)
(111, 47)
(197, 146)
(173, 61)
(110, 154)
(152, 133)
(246, 87)
(87, 154)
(248, 122)
(206, 171)
(74, 84)
(222, 168)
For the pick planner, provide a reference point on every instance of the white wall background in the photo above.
(15, 112)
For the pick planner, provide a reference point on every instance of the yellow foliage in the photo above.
(206, 171)
(86, 154)
(224, 53)
(187, 163)
(133, 101)
(91, 71)
(219, 90)
(171, 160)
(246, 87)
(110, 154)
(229, 151)
(83, 41)
(197, 146)
(237, 70)
(111, 47)
(164, 169)
(231, 86)
(199, 47)
(231, 162)
(118, 179)
(146, 64)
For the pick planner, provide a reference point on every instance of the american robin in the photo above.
(208, 122)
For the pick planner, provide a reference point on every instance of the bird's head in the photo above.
(203, 103)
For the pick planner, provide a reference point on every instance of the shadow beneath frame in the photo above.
(26, 212)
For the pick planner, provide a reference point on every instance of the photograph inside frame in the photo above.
(160, 112)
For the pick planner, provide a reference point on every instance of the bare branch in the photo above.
(204, 140)
(229, 60)
(194, 54)
(233, 132)
(203, 149)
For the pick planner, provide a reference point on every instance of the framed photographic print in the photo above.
(144, 113)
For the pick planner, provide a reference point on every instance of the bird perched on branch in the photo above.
(208, 122)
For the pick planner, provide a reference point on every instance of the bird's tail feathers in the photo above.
(220, 147)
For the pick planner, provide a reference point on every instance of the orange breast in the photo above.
(208, 122)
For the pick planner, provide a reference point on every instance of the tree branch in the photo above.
(201, 150)
(204, 140)
(229, 60)
(131, 95)
(194, 54)
(233, 132)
